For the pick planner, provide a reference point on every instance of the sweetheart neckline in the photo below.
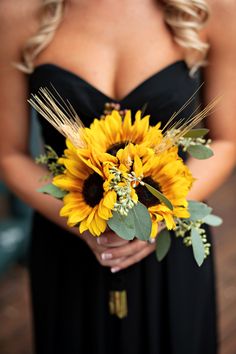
(180, 63)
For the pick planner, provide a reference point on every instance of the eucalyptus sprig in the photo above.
(192, 232)
(194, 142)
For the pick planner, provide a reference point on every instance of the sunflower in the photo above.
(87, 204)
(167, 173)
(114, 132)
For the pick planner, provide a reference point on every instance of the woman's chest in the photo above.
(113, 48)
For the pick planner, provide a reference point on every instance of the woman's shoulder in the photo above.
(222, 19)
(18, 21)
(18, 10)
(224, 5)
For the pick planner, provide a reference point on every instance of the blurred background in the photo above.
(15, 223)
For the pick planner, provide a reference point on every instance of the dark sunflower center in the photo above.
(146, 197)
(116, 147)
(93, 189)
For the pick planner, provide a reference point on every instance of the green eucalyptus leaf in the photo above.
(200, 152)
(163, 244)
(198, 246)
(142, 221)
(198, 210)
(53, 191)
(123, 226)
(196, 133)
(159, 196)
(143, 110)
(212, 220)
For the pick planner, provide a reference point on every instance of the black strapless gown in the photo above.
(171, 304)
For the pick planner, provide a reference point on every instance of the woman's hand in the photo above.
(116, 253)
(127, 254)
(102, 245)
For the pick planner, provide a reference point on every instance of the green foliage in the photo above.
(198, 246)
(136, 224)
(143, 109)
(163, 244)
(200, 152)
(196, 133)
(193, 233)
(142, 221)
(53, 191)
(198, 210)
(50, 159)
(212, 220)
(122, 225)
(159, 196)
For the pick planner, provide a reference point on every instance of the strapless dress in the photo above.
(172, 307)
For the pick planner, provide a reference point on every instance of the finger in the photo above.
(126, 250)
(117, 244)
(110, 239)
(129, 261)
(111, 235)
(114, 240)
(110, 262)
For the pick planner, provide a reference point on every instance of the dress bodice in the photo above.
(162, 94)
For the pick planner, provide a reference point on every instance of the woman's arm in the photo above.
(18, 170)
(220, 79)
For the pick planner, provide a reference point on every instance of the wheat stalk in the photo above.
(60, 114)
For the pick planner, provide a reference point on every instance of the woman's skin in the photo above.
(114, 45)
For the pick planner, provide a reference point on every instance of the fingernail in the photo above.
(101, 240)
(115, 269)
(106, 256)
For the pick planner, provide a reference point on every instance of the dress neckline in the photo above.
(177, 64)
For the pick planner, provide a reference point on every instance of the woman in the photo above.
(96, 52)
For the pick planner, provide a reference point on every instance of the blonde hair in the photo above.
(185, 18)
(50, 18)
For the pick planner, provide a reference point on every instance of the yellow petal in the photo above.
(154, 230)
(94, 168)
(67, 183)
(104, 212)
(109, 199)
(73, 197)
(71, 207)
(127, 130)
(94, 227)
(134, 195)
(91, 216)
(83, 226)
(170, 224)
(101, 224)
(138, 167)
(181, 212)
(73, 167)
(77, 216)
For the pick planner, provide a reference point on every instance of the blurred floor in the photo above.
(15, 322)
(15, 328)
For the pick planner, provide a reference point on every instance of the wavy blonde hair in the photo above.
(185, 19)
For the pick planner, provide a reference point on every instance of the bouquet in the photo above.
(123, 174)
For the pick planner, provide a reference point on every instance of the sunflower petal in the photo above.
(137, 166)
(83, 226)
(154, 230)
(109, 199)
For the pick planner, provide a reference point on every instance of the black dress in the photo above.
(171, 304)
